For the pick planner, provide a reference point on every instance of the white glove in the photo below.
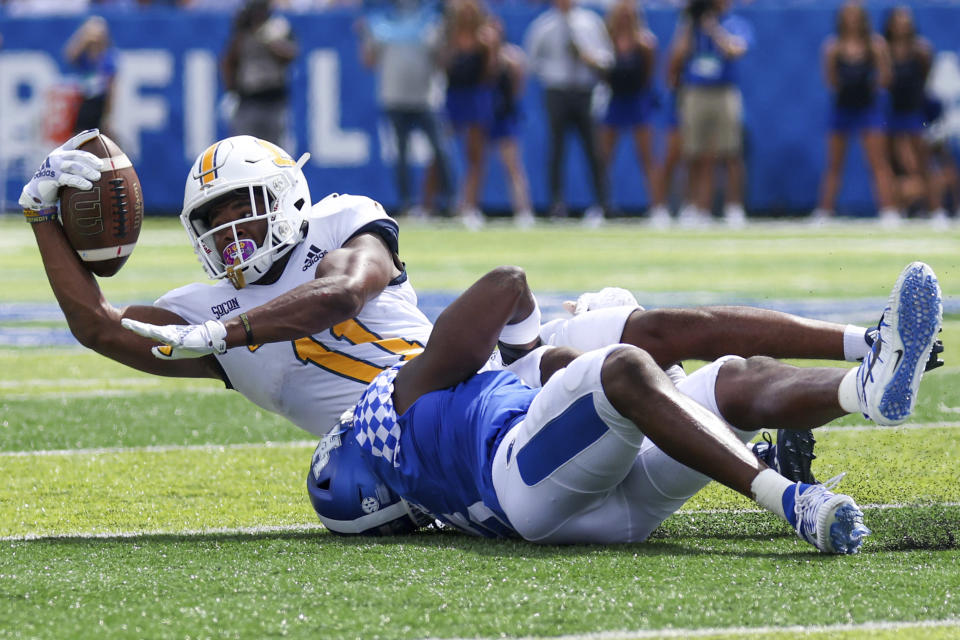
(64, 167)
(182, 340)
(606, 297)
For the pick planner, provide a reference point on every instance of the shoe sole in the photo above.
(912, 330)
(841, 530)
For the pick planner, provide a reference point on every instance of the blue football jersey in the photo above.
(438, 455)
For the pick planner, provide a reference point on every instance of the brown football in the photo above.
(103, 224)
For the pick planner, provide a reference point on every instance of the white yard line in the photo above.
(739, 632)
(311, 443)
(306, 528)
(161, 448)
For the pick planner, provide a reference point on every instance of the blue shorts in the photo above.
(631, 110)
(470, 106)
(505, 126)
(854, 120)
(905, 122)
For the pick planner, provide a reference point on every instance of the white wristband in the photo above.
(523, 332)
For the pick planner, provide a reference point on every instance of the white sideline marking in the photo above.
(282, 528)
(312, 443)
(104, 393)
(740, 632)
(306, 528)
(161, 448)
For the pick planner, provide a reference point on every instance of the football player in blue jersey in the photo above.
(583, 459)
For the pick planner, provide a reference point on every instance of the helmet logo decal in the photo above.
(208, 164)
(279, 156)
(369, 504)
(237, 252)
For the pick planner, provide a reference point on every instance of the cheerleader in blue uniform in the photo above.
(912, 57)
(505, 129)
(470, 72)
(632, 99)
(857, 68)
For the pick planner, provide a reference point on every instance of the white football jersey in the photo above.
(311, 381)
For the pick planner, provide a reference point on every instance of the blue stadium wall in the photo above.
(167, 106)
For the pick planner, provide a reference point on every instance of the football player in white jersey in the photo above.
(314, 294)
(570, 463)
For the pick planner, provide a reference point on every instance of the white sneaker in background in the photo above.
(524, 219)
(939, 219)
(659, 217)
(692, 217)
(734, 216)
(593, 217)
(472, 218)
(821, 217)
(889, 218)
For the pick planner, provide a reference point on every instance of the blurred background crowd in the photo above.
(448, 72)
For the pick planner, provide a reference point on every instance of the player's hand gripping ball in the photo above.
(101, 201)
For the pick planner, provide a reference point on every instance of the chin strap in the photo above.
(235, 276)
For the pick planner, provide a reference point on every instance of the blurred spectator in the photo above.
(510, 77)
(662, 185)
(911, 58)
(569, 49)
(944, 176)
(857, 68)
(470, 64)
(706, 45)
(632, 97)
(255, 69)
(402, 42)
(95, 63)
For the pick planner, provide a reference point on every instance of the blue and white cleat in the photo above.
(832, 522)
(889, 376)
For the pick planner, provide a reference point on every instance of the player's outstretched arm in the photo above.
(94, 321)
(346, 279)
(466, 333)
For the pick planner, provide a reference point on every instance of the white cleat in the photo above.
(888, 378)
(832, 522)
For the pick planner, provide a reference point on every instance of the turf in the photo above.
(135, 506)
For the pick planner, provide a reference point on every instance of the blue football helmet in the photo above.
(349, 499)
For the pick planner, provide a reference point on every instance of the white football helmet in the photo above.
(268, 175)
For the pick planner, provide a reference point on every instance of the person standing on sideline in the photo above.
(857, 68)
(470, 63)
(706, 47)
(88, 50)
(569, 51)
(255, 68)
(402, 42)
(632, 98)
(509, 80)
(911, 57)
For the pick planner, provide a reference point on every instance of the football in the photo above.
(103, 223)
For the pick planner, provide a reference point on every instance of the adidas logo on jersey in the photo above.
(314, 255)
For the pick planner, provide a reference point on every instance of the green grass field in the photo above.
(141, 507)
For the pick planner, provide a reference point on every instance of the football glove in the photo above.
(64, 167)
(182, 340)
(606, 297)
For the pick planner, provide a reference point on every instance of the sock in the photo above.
(847, 392)
(855, 345)
(769, 489)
